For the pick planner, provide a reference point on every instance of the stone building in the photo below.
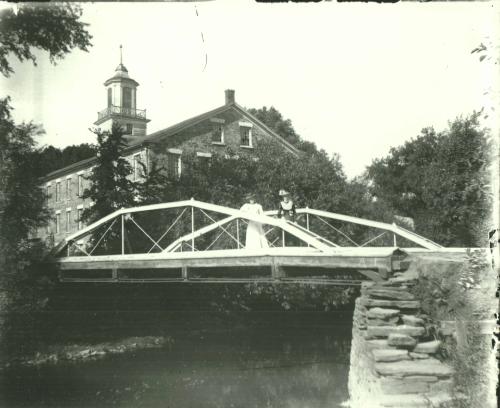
(229, 125)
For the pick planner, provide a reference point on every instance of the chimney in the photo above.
(229, 96)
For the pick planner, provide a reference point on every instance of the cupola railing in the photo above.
(120, 110)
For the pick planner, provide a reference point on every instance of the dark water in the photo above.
(250, 360)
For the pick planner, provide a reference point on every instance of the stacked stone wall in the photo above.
(393, 359)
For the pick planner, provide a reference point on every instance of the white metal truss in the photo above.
(302, 233)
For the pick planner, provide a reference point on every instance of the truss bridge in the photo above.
(194, 241)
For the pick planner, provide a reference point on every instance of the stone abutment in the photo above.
(393, 357)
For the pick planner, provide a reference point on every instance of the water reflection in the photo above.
(273, 364)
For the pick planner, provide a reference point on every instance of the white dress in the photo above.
(255, 233)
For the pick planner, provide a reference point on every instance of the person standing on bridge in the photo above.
(287, 206)
(255, 238)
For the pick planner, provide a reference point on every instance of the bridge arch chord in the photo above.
(230, 212)
(308, 237)
(409, 235)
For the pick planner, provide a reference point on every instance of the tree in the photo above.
(22, 211)
(54, 28)
(274, 120)
(110, 184)
(440, 180)
(52, 158)
(22, 205)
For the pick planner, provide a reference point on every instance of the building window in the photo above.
(110, 97)
(136, 166)
(217, 133)
(68, 188)
(48, 193)
(174, 164)
(127, 98)
(80, 185)
(68, 220)
(58, 223)
(80, 221)
(246, 136)
(129, 128)
(58, 191)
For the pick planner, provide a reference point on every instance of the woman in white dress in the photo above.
(255, 237)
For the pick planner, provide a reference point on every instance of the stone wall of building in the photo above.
(69, 199)
(393, 359)
(198, 138)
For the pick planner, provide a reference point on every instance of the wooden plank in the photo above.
(284, 280)
(273, 261)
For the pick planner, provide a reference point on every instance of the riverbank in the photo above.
(84, 352)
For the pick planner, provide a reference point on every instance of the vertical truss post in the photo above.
(192, 228)
(283, 237)
(238, 231)
(307, 222)
(394, 237)
(123, 235)
(67, 248)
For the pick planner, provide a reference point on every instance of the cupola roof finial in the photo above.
(121, 67)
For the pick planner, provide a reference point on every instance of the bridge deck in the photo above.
(373, 263)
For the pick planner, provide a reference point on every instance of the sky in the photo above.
(356, 79)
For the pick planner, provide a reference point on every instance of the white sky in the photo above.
(354, 78)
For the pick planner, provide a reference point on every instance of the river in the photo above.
(254, 359)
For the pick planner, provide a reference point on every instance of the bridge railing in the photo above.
(192, 225)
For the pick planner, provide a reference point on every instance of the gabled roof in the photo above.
(138, 142)
(172, 130)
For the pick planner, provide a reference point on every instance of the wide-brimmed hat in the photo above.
(248, 196)
(283, 192)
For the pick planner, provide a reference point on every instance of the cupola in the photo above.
(121, 96)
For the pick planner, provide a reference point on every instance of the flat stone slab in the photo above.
(401, 340)
(401, 304)
(396, 386)
(378, 344)
(412, 320)
(429, 347)
(419, 356)
(385, 331)
(390, 293)
(426, 378)
(429, 367)
(390, 355)
(380, 322)
(379, 313)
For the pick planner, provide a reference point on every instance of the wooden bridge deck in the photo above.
(237, 265)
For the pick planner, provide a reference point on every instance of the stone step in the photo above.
(380, 322)
(401, 304)
(401, 340)
(419, 356)
(386, 355)
(399, 386)
(385, 331)
(392, 294)
(412, 320)
(430, 367)
(378, 344)
(380, 313)
(429, 347)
